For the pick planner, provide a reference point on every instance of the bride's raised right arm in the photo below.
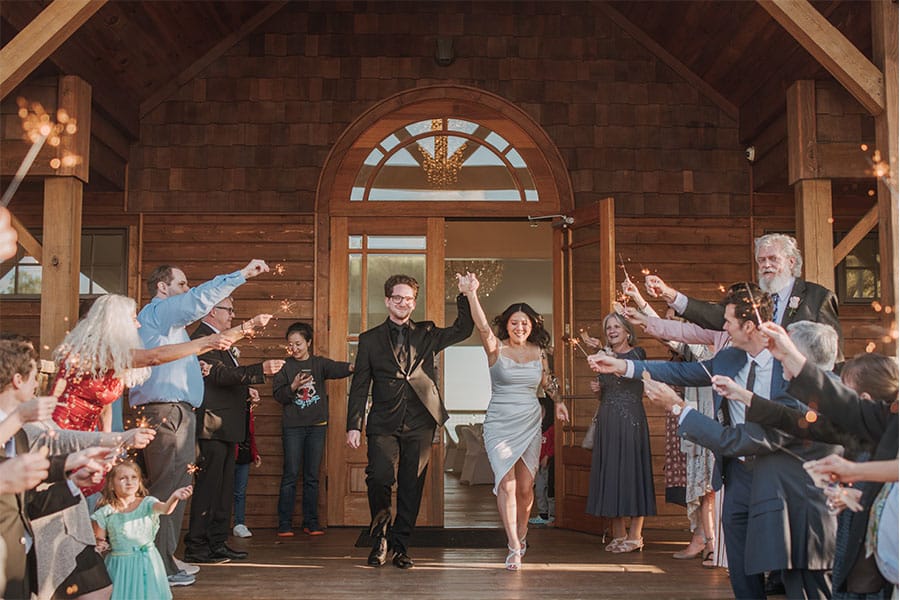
(468, 285)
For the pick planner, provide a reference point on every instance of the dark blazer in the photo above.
(727, 362)
(872, 421)
(222, 414)
(377, 368)
(21, 575)
(788, 525)
(817, 304)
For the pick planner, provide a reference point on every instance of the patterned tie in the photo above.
(400, 347)
(775, 298)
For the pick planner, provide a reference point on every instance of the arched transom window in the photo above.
(444, 159)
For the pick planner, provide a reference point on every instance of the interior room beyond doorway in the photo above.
(513, 261)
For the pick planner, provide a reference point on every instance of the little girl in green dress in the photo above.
(125, 523)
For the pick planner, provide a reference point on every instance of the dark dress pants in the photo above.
(735, 513)
(407, 451)
(212, 500)
(806, 584)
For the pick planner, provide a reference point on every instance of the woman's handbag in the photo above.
(588, 441)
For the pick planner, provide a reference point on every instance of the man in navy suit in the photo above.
(748, 363)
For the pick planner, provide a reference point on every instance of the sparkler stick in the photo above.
(574, 343)
(25, 166)
(624, 270)
(753, 303)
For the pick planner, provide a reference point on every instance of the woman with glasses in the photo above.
(300, 388)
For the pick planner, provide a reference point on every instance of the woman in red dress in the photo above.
(102, 355)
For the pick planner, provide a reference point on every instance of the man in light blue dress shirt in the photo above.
(174, 390)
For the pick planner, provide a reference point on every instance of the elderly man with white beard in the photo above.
(779, 265)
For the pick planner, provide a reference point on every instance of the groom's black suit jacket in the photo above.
(377, 368)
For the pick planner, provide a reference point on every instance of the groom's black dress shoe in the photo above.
(402, 560)
(224, 551)
(378, 555)
(204, 559)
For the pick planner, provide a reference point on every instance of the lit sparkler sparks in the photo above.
(39, 129)
(279, 270)
(624, 270)
(759, 320)
(573, 342)
(192, 469)
(880, 168)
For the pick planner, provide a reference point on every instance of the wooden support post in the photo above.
(606, 225)
(884, 50)
(62, 260)
(801, 131)
(74, 96)
(814, 230)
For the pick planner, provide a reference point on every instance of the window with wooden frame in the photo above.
(104, 266)
(857, 277)
(444, 159)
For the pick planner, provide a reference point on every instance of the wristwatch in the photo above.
(676, 409)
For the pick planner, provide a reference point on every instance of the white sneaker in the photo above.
(181, 578)
(186, 567)
(241, 531)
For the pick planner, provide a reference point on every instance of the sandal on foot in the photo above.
(514, 559)
(629, 546)
(612, 545)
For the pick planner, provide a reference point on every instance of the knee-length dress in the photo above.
(512, 424)
(621, 483)
(134, 563)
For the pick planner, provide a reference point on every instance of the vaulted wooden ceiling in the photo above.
(133, 52)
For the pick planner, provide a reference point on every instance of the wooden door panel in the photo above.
(347, 493)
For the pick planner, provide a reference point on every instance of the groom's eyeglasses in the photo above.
(401, 299)
(228, 309)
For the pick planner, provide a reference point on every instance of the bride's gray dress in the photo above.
(512, 425)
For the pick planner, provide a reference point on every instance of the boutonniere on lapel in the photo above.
(235, 352)
(793, 304)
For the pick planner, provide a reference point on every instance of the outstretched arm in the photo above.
(167, 507)
(468, 285)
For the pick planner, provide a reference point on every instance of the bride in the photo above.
(517, 362)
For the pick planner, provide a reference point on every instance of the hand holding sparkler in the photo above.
(727, 388)
(589, 340)
(9, 238)
(783, 349)
(272, 366)
(602, 362)
(254, 267)
(660, 394)
(631, 291)
(137, 438)
(573, 342)
(657, 288)
(36, 409)
(24, 472)
(634, 315)
(205, 368)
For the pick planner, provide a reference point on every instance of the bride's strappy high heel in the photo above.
(514, 558)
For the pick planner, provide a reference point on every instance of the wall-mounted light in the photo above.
(443, 54)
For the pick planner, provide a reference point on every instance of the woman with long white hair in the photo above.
(103, 355)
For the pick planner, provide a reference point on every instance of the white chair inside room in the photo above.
(476, 469)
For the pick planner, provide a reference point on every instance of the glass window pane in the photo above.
(420, 127)
(496, 141)
(107, 280)
(395, 242)
(403, 158)
(108, 249)
(354, 290)
(460, 125)
(515, 159)
(390, 141)
(351, 354)
(373, 158)
(86, 258)
(356, 194)
(8, 282)
(29, 279)
(482, 157)
(381, 266)
(355, 242)
(84, 284)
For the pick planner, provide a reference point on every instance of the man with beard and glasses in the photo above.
(779, 265)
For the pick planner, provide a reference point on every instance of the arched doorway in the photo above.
(389, 183)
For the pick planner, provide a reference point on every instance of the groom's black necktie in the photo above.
(398, 336)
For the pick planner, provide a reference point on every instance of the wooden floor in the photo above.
(559, 564)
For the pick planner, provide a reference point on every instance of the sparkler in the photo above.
(753, 303)
(880, 168)
(624, 270)
(38, 130)
(573, 342)
(192, 469)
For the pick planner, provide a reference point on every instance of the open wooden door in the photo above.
(364, 253)
(584, 280)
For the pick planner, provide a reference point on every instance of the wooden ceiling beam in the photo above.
(673, 63)
(855, 235)
(109, 100)
(831, 49)
(40, 38)
(217, 51)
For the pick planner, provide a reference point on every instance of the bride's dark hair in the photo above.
(539, 335)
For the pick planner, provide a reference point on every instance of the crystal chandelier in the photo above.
(441, 170)
(489, 273)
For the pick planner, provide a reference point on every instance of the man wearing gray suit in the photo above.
(761, 531)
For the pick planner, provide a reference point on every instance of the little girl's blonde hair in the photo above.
(108, 493)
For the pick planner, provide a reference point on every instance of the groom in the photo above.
(396, 360)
